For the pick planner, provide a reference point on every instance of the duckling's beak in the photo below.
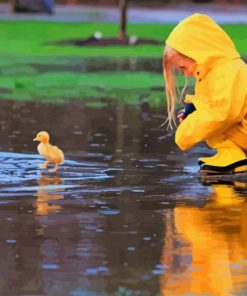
(35, 139)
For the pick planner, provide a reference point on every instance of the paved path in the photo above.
(165, 14)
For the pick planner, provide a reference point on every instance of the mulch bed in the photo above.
(92, 41)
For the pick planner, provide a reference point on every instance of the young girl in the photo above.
(199, 47)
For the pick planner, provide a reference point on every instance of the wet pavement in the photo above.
(167, 13)
(127, 213)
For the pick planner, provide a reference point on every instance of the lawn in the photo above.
(26, 44)
(32, 38)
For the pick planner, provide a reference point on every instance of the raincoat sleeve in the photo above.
(214, 114)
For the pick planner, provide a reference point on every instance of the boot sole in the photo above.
(237, 167)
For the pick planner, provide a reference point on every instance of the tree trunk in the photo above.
(122, 35)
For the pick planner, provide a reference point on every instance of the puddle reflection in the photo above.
(46, 194)
(207, 253)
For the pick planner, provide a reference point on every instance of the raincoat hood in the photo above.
(220, 94)
(202, 39)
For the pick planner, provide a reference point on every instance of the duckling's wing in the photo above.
(56, 154)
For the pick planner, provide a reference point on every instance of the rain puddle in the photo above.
(127, 213)
(106, 65)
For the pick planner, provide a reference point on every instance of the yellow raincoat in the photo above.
(221, 83)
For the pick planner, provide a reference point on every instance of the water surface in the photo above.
(127, 213)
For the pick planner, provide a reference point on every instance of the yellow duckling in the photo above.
(52, 154)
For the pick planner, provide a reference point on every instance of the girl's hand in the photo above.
(181, 115)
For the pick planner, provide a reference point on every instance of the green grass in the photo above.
(24, 43)
(31, 38)
(65, 85)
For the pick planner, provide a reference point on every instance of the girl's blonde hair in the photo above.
(171, 90)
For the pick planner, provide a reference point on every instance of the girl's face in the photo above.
(184, 64)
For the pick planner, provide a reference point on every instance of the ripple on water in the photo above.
(20, 174)
(96, 271)
(108, 211)
(48, 266)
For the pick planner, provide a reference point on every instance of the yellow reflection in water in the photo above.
(214, 246)
(44, 195)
